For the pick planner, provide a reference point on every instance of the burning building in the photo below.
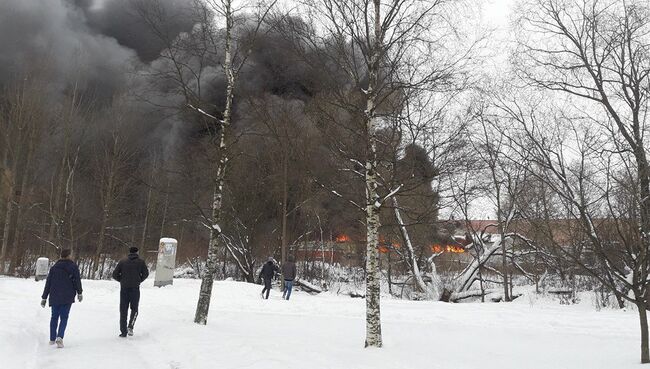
(342, 249)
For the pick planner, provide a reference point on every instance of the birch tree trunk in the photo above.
(373, 203)
(469, 275)
(203, 304)
(373, 316)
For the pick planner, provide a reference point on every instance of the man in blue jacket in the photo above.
(130, 272)
(63, 283)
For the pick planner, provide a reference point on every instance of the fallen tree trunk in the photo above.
(458, 296)
(431, 291)
(307, 287)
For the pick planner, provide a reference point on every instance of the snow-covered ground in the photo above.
(322, 331)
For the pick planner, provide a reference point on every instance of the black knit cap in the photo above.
(133, 250)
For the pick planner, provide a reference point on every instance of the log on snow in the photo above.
(307, 287)
(458, 296)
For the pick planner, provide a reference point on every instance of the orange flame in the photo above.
(455, 249)
(342, 238)
(390, 243)
(447, 248)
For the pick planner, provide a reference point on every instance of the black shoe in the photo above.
(122, 335)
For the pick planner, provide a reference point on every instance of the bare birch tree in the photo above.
(378, 49)
(504, 181)
(597, 52)
(222, 40)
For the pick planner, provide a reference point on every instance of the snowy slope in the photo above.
(322, 331)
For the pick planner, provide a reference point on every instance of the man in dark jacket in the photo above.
(63, 283)
(130, 272)
(289, 274)
(268, 271)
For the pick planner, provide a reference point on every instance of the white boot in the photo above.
(59, 342)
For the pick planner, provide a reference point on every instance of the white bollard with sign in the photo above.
(42, 268)
(166, 262)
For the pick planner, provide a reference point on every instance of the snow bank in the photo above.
(309, 331)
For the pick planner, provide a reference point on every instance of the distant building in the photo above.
(342, 250)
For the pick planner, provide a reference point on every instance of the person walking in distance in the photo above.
(62, 284)
(289, 274)
(130, 272)
(268, 271)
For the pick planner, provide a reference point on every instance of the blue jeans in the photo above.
(288, 286)
(59, 312)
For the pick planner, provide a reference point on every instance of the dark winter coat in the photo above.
(289, 271)
(63, 283)
(268, 270)
(131, 271)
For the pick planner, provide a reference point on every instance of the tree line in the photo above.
(258, 129)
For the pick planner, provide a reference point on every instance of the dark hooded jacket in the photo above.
(63, 283)
(289, 270)
(268, 270)
(131, 271)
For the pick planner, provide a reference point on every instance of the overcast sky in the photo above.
(495, 15)
(496, 11)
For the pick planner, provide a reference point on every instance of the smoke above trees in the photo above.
(118, 158)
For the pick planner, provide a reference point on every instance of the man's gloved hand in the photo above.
(43, 302)
(80, 297)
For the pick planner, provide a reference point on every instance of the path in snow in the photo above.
(323, 331)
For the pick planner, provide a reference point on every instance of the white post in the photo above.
(42, 268)
(166, 262)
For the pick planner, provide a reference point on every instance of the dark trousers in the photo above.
(267, 287)
(59, 320)
(129, 297)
